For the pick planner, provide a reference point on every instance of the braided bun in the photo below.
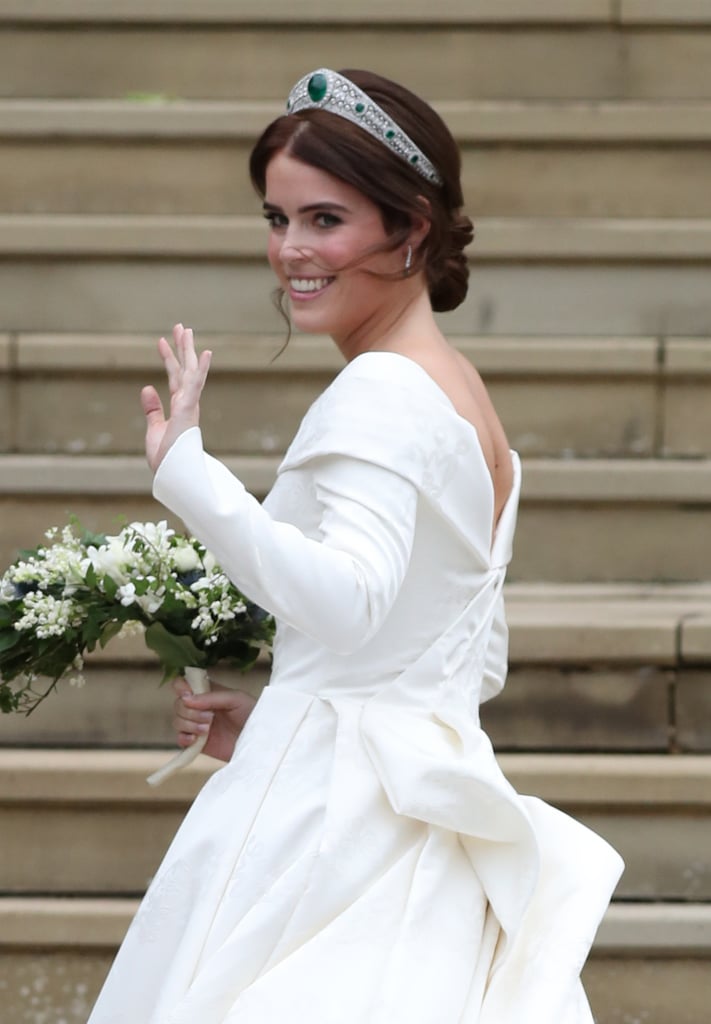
(448, 276)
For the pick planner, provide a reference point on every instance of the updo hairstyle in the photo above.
(333, 144)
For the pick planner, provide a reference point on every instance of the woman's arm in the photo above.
(337, 589)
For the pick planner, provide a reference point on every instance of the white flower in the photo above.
(47, 615)
(150, 602)
(130, 629)
(186, 558)
(126, 594)
(113, 559)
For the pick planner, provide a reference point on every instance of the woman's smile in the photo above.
(305, 288)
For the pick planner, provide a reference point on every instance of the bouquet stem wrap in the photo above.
(198, 682)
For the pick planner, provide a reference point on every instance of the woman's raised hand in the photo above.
(187, 373)
(221, 714)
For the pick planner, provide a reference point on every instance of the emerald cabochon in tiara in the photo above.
(327, 90)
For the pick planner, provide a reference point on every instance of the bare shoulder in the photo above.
(464, 387)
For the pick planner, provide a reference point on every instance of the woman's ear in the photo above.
(420, 223)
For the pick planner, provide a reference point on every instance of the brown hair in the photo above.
(339, 147)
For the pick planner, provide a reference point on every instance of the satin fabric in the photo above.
(362, 858)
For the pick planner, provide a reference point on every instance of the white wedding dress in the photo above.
(362, 859)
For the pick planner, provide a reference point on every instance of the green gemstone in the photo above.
(359, 107)
(317, 87)
(390, 134)
(414, 159)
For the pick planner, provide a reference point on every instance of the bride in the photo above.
(360, 858)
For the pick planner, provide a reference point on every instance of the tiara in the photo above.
(327, 90)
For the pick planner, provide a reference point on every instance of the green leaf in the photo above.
(109, 631)
(90, 577)
(6, 616)
(9, 638)
(174, 652)
(110, 587)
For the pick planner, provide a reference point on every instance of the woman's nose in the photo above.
(292, 245)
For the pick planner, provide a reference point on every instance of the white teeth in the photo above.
(309, 284)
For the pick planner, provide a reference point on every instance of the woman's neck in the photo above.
(396, 329)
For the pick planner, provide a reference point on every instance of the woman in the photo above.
(361, 859)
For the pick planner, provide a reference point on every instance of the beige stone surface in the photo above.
(87, 777)
(588, 521)
(686, 407)
(122, 705)
(111, 847)
(148, 296)
(611, 630)
(541, 709)
(565, 709)
(228, 61)
(692, 707)
(97, 923)
(69, 849)
(242, 237)
(686, 417)
(598, 543)
(312, 10)
(194, 175)
(695, 639)
(98, 412)
(666, 855)
(654, 12)
(51, 988)
(7, 425)
(87, 821)
(687, 357)
(577, 415)
(644, 481)
(439, 61)
(656, 991)
(24, 521)
(655, 929)
(529, 355)
(473, 121)
(245, 415)
(666, 991)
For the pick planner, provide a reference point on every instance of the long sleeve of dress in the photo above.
(338, 588)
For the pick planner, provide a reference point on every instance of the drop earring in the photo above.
(408, 260)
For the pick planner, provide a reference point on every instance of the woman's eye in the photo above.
(276, 220)
(327, 220)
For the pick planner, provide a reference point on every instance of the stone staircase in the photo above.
(125, 205)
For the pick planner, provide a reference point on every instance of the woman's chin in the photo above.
(308, 319)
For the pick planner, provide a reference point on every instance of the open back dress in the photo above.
(362, 859)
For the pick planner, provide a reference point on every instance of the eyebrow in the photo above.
(273, 208)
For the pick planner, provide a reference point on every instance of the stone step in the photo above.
(310, 11)
(242, 237)
(593, 520)
(558, 277)
(593, 668)
(86, 822)
(519, 159)
(579, 396)
(474, 48)
(649, 959)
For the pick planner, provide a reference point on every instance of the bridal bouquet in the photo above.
(60, 600)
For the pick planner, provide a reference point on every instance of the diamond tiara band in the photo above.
(327, 90)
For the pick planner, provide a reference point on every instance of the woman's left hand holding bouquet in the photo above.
(187, 373)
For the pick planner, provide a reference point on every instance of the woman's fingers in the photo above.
(152, 405)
